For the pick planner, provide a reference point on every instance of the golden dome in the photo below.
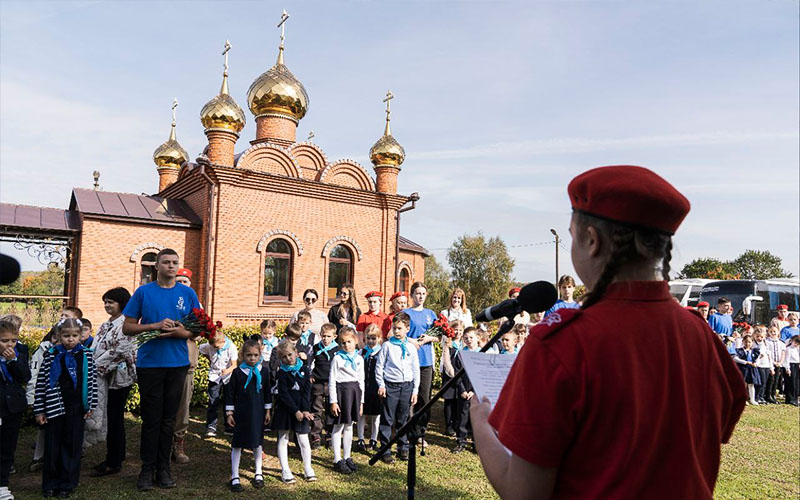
(278, 91)
(170, 154)
(387, 151)
(222, 111)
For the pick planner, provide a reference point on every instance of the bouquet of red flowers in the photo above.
(441, 327)
(197, 322)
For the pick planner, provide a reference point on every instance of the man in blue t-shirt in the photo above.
(161, 363)
(721, 322)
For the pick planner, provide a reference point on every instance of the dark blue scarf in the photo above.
(4, 369)
(294, 369)
(70, 362)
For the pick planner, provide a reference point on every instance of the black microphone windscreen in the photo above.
(538, 296)
(9, 269)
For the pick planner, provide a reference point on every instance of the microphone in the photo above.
(9, 269)
(534, 297)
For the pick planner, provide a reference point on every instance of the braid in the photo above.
(667, 257)
(622, 242)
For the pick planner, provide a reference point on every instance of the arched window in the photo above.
(277, 271)
(340, 269)
(405, 280)
(148, 273)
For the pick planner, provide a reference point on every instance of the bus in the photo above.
(754, 301)
(687, 291)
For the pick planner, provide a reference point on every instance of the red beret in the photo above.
(782, 307)
(703, 304)
(373, 294)
(631, 195)
(184, 272)
(514, 290)
(398, 294)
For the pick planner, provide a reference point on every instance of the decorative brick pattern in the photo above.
(262, 243)
(341, 239)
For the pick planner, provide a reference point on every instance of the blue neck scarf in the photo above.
(458, 345)
(326, 350)
(251, 371)
(350, 359)
(294, 369)
(465, 348)
(70, 362)
(401, 343)
(304, 337)
(513, 351)
(272, 341)
(367, 351)
(4, 369)
(225, 347)
(88, 342)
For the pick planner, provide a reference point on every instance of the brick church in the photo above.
(256, 227)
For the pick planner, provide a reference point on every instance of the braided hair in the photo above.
(629, 245)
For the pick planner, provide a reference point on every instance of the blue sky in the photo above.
(498, 104)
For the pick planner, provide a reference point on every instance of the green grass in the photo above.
(760, 462)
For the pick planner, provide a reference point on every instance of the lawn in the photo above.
(761, 461)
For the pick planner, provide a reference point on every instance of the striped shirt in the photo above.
(47, 400)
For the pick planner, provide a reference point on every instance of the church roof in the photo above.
(141, 208)
(26, 217)
(410, 246)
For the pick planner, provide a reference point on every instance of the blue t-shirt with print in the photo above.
(788, 332)
(721, 323)
(151, 303)
(561, 304)
(421, 322)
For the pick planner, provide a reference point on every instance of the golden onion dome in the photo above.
(278, 91)
(222, 112)
(170, 154)
(387, 151)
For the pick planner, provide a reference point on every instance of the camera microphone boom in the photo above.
(534, 297)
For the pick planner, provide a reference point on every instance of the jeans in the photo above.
(216, 395)
(160, 391)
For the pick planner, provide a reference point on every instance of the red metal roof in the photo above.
(132, 206)
(38, 218)
(410, 246)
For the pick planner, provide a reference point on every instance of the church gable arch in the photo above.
(347, 173)
(270, 159)
(310, 158)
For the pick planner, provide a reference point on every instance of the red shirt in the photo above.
(630, 398)
(369, 318)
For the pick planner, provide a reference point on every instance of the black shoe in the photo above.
(13, 470)
(64, 493)
(402, 455)
(48, 494)
(237, 486)
(349, 462)
(342, 468)
(316, 443)
(104, 470)
(360, 446)
(450, 432)
(164, 479)
(257, 481)
(145, 481)
(373, 445)
(387, 458)
(458, 448)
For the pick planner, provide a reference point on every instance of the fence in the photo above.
(35, 310)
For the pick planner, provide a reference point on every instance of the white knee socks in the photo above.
(305, 452)
(336, 440)
(257, 456)
(283, 454)
(375, 422)
(236, 456)
(347, 437)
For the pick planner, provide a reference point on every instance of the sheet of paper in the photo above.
(487, 372)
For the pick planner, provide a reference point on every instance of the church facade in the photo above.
(257, 227)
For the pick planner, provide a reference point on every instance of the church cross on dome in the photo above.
(387, 99)
(282, 26)
(225, 53)
(174, 105)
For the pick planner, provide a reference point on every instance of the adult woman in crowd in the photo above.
(421, 321)
(458, 308)
(346, 312)
(115, 360)
(318, 318)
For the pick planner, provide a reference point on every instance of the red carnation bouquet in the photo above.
(197, 322)
(441, 327)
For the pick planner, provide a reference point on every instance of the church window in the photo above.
(340, 270)
(148, 264)
(277, 271)
(405, 278)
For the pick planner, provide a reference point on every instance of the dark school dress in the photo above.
(372, 402)
(294, 394)
(349, 397)
(750, 373)
(248, 407)
(450, 393)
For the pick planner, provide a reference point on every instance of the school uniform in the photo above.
(248, 397)
(320, 371)
(763, 366)
(294, 394)
(14, 376)
(218, 384)
(65, 392)
(267, 345)
(449, 396)
(462, 428)
(397, 370)
(372, 402)
(791, 374)
(346, 386)
(774, 348)
(750, 373)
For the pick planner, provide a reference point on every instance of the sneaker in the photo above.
(236, 485)
(164, 479)
(145, 481)
(36, 465)
(458, 448)
(210, 433)
(349, 462)
(387, 458)
(5, 494)
(342, 468)
(360, 446)
(402, 455)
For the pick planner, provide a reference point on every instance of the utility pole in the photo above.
(557, 242)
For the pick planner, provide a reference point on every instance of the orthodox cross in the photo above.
(310, 135)
(174, 105)
(282, 25)
(389, 97)
(225, 53)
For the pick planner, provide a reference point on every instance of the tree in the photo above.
(437, 281)
(759, 265)
(482, 267)
(708, 268)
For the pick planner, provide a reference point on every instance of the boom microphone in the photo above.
(534, 297)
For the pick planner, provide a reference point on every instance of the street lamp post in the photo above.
(557, 241)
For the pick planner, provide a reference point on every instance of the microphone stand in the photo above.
(410, 427)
